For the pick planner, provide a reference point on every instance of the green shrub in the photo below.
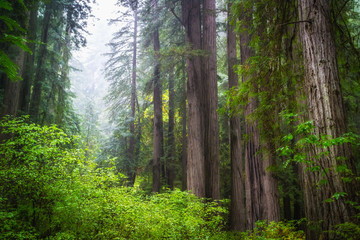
(274, 230)
(49, 190)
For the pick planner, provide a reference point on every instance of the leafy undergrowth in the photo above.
(50, 191)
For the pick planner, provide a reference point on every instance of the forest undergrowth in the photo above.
(50, 190)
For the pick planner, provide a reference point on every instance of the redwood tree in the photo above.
(237, 183)
(326, 110)
(210, 102)
(158, 122)
(195, 159)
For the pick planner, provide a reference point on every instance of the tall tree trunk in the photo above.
(184, 132)
(210, 98)
(253, 164)
(171, 148)
(237, 212)
(326, 110)
(61, 87)
(158, 122)
(131, 172)
(29, 64)
(40, 75)
(195, 159)
(49, 115)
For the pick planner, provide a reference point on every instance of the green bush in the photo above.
(49, 190)
(274, 230)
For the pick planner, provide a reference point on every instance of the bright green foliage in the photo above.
(305, 139)
(49, 190)
(297, 143)
(349, 231)
(10, 35)
(274, 230)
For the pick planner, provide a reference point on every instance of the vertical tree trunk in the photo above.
(210, 98)
(40, 75)
(29, 62)
(12, 88)
(131, 173)
(326, 110)
(64, 77)
(195, 164)
(238, 222)
(271, 203)
(184, 133)
(253, 164)
(171, 148)
(158, 122)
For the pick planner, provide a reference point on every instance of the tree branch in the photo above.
(176, 16)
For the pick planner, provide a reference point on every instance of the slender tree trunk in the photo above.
(171, 148)
(238, 222)
(184, 133)
(61, 87)
(158, 122)
(210, 98)
(196, 161)
(40, 75)
(132, 156)
(49, 115)
(29, 64)
(326, 110)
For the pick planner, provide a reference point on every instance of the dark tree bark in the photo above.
(29, 64)
(210, 98)
(237, 212)
(12, 88)
(158, 122)
(40, 75)
(326, 110)
(196, 161)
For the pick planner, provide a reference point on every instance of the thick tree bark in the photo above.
(29, 62)
(195, 164)
(40, 75)
(270, 198)
(210, 98)
(158, 122)
(237, 212)
(253, 164)
(325, 103)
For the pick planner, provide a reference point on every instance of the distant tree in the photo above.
(121, 71)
